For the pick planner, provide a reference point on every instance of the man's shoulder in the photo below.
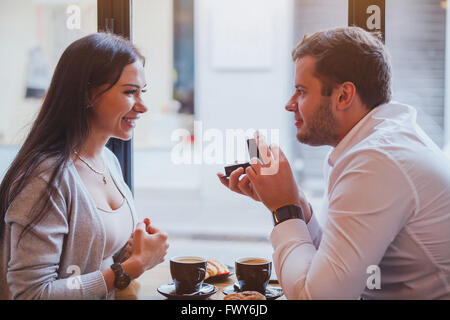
(365, 157)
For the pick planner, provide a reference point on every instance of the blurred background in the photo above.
(214, 65)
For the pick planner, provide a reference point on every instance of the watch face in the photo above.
(122, 282)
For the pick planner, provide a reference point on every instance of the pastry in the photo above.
(245, 295)
(215, 268)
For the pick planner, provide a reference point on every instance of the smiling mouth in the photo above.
(131, 122)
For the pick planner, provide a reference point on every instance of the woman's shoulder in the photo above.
(53, 166)
(49, 174)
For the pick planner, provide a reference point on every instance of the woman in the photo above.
(66, 213)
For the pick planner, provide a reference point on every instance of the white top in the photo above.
(118, 229)
(387, 233)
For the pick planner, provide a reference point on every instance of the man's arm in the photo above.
(368, 204)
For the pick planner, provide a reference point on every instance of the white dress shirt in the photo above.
(387, 207)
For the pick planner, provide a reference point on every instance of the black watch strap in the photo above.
(286, 213)
(122, 280)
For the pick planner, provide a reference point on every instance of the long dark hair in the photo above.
(62, 124)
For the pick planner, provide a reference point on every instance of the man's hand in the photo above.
(241, 186)
(273, 182)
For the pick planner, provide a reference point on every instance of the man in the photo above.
(387, 203)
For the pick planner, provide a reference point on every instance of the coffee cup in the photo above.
(253, 273)
(188, 273)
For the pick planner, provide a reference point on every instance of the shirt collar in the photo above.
(357, 133)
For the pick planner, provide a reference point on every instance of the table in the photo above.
(144, 287)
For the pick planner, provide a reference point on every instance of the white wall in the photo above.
(246, 87)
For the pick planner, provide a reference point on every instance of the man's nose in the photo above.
(291, 106)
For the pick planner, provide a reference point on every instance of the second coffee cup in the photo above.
(253, 273)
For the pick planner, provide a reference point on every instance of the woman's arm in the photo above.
(34, 265)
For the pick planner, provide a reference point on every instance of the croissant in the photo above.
(245, 295)
(215, 268)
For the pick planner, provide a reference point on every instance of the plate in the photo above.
(168, 290)
(272, 292)
(221, 277)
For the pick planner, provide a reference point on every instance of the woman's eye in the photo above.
(132, 92)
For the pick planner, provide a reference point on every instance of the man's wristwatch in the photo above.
(286, 213)
(122, 279)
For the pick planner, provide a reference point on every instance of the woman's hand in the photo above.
(147, 245)
(148, 227)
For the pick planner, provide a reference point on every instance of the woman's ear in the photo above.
(345, 94)
(89, 98)
(92, 95)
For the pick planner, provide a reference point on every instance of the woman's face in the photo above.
(115, 112)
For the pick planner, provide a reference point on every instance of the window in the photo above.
(33, 34)
(211, 67)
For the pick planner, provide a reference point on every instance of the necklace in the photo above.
(89, 166)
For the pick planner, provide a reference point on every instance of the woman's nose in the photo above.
(140, 107)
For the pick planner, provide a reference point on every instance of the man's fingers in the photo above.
(277, 153)
(255, 165)
(234, 179)
(244, 186)
(223, 179)
(251, 174)
(263, 148)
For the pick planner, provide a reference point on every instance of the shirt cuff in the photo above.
(292, 229)
(93, 286)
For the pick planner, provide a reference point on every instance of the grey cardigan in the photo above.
(60, 258)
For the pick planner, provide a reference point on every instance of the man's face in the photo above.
(314, 119)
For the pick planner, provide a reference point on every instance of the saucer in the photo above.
(168, 290)
(272, 292)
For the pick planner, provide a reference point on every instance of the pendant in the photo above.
(104, 180)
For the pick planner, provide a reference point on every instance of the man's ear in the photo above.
(346, 93)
